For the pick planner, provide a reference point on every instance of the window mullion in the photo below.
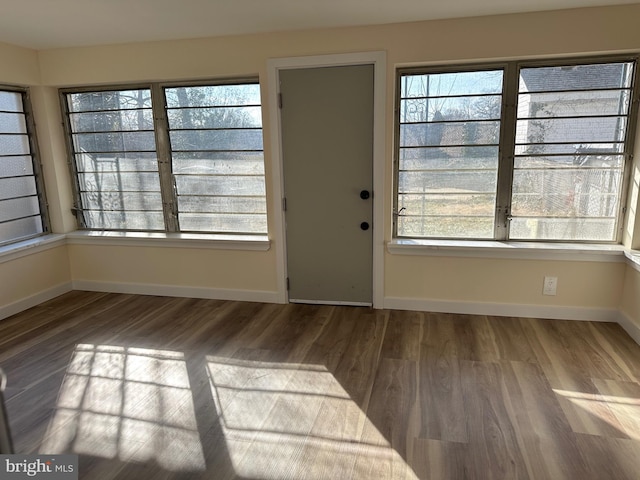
(507, 151)
(163, 150)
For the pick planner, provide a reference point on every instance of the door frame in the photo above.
(274, 66)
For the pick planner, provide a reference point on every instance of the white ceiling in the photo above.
(45, 24)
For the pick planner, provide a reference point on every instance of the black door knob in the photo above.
(364, 194)
(364, 225)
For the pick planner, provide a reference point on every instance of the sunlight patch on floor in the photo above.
(625, 409)
(132, 404)
(296, 421)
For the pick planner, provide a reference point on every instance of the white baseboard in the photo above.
(504, 309)
(34, 300)
(629, 326)
(178, 291)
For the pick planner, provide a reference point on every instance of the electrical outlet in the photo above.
(550, 286)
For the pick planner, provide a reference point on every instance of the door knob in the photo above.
(364, 194)
(364, 225)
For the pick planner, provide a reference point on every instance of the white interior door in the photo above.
(327, 149)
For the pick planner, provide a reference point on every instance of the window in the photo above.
(515, 151)
(217, 157)
(22, 203)
(115, 160)
(448, 159)
(169, 158)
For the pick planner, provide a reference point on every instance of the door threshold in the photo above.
(331, 302)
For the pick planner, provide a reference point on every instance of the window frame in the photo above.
(507, 140)
(36, 161)
(161, 130)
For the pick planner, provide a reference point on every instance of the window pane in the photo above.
(576, 77)
(20, 208)
(568, 170)
(106, 220)
(217, 158)
(223, 223)
(221, 163)
(566, 229)
(195, 140)
(20, 229)
(123, 162)
(14, 144)
(115, 160)
(17, 187)
(112, 121)
(114, 142)
(213, 95)
(109, 100)
(215, 117)
(12, 123)
(15, 166)
(11, 102)
(448, 154)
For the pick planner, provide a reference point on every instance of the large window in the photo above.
(169, 158)
(515, 151)
(22, 202)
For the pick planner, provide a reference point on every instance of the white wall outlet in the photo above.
(550, 286)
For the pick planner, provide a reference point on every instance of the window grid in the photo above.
(115, 159)
(589, 109)
(221, 187)
(22, 200)
(180, 177)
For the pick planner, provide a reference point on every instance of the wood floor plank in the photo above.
(475, 338)
(180, 388)
(493, 434)
(610, 457)
(549, 445)
(623, 400)
(431, 459)
(393, 405)
(569, 371)
(402, 335)
(442, 412)
(510, 339)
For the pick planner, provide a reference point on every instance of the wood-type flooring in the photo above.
(143, 387)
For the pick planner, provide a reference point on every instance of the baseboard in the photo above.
(629, 326)
(503, 309)
(34, 300)
(178, 291)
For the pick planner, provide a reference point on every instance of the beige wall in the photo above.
(33, 275)
(501, 281)
(630, 304)
(179, 267)
(19, 66)
(560, 33)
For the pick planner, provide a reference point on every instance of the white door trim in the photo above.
(378, 60)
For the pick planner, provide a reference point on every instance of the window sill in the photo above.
(170, 240)
(633, 259)
(511, 250)
(31, 246)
